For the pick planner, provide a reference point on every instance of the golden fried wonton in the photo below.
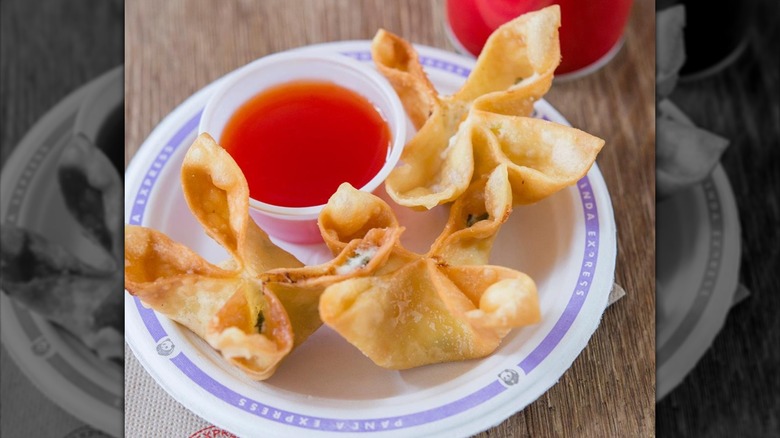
(542, 157)
(421, 314)
(441, 306)
(49, 279)
(478, 148)
(685, 154)
(474, 221)
(514, 70)
(52, 282)
(258, 305)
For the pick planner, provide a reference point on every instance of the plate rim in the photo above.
(594, 178)
(694, 346)
(697, 342)
(45, 377)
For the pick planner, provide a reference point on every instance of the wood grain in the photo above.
(49, 49)
(174, 48)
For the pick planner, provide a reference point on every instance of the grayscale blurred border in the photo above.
(733, 388)
(49, 49)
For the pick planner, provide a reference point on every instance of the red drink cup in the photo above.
(591, 31)
(714, 36)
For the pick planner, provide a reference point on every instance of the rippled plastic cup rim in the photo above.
(367, 81)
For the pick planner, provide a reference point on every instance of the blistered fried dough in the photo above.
(474, 221)
(520, 55)
(513, 71)
(231, 310)
(434, 169)
(408, 318)
(261, 303)
(467, 238)
(174, 280)
(351, 214)
(52, 282)
(179, 283)
(397, 60)
(542, 157)
(286, 313)
(252, 331)
(418, 315)
(27, 255)
(300, 288)
(441, 306)
(92, 191)
(503, 298)
(218, 195)
(685, 154)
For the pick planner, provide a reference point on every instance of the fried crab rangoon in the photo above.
(441, 306)
(685, 154)
(478, 148)
(52, 281)
(514, 70)
(261, 303)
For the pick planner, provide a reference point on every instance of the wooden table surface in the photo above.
(174, 48)
(734, 390)
(48, 51)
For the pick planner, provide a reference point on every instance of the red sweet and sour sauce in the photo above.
(298, 141)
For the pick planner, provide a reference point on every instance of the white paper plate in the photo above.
(326, 387)
(60, 366)
(697, 271)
